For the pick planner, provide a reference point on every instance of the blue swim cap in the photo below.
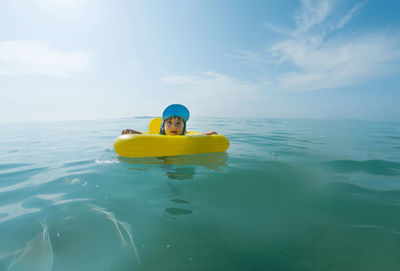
(176, 110)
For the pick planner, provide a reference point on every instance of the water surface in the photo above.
(287, 195)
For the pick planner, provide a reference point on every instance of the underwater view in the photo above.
(287, 195)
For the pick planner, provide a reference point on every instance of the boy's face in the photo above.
(173, 126)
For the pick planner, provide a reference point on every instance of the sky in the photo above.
(100, 59)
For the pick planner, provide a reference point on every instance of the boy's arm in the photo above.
(210, 133)
(129, 131)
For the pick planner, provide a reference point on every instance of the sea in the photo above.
(288, 194)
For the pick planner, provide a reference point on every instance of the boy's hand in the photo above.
(129, 131)
(211, 133)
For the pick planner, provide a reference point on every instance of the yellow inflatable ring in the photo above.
(151, 144)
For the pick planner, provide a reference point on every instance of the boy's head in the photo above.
(174, 120)
(173, 126)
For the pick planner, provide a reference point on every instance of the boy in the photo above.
(174, 118)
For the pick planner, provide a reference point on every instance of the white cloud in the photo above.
(65, 9)
(315, 58)
(212, 82)
(328, 65)
(316, 54)
(276, 28)
(212, 92)
(312, 13)
(36, 57)
(342, 22)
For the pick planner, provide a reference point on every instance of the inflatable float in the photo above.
(152, 144)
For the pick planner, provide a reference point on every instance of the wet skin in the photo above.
(173, 126)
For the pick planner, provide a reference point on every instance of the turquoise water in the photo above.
(287, 195)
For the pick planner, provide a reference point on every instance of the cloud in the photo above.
(213, 92)
(316, 55)
(312, 13)
(212, 82)
(342, 22)
(64, 9)
(318, 65)
(36, 57)
(276, 28)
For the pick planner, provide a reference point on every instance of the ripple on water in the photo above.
(15, 180)
(375, 167)
(12, 166)
(288, 195)
(11, 211)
